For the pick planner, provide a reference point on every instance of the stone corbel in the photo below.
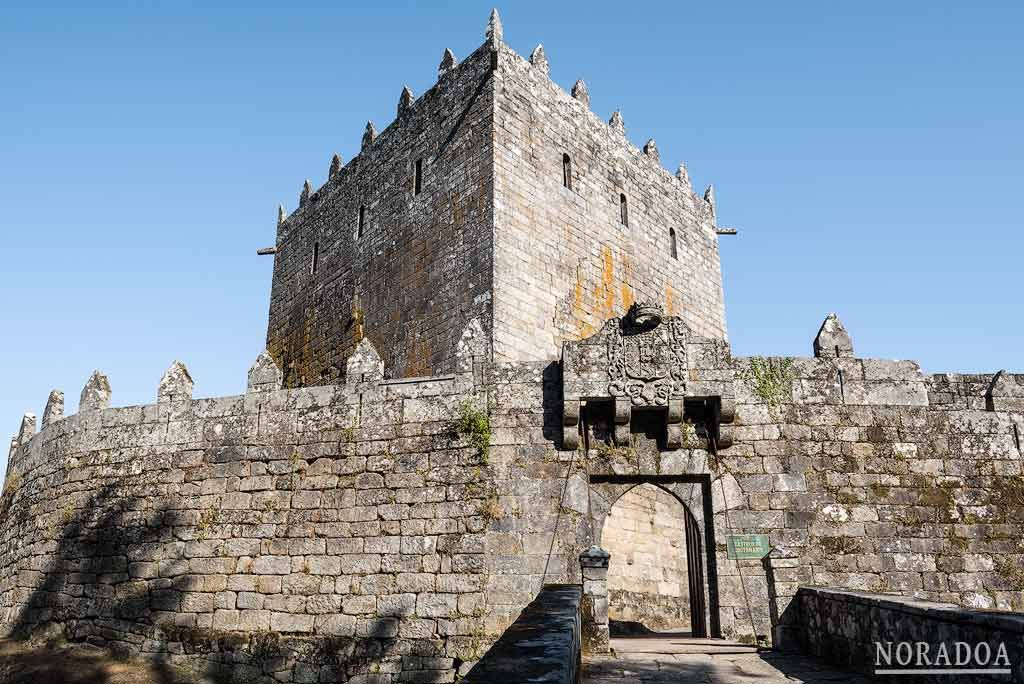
(571, 424)
(623, 414)
(674, 424)
(725, 416)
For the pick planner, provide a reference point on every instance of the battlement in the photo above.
(495, 196)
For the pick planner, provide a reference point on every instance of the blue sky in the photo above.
(870, 154)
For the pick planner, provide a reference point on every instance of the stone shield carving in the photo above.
(646, 357)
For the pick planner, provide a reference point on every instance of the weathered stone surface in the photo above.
(539, 60)
(365, 364)
(832, 339)
(54, 410)
(494, 33)
(27, 430)
(1006, 393)
(95, 394)
(651, 150)
(580, 92)
(405, 101)
(264, 375)
(369, 135)
(448, 62)
(616, 123)
(176, 384)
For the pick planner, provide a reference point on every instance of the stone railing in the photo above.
(865, 632)
(542, 645)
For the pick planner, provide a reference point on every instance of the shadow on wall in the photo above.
(101, 586)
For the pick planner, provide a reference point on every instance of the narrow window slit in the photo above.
(675, 248)
(362, 221)
(314, 263)
(566, 171)
(418, 182)
(623, 211)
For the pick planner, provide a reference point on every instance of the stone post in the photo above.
(784, 575)
(594, 568)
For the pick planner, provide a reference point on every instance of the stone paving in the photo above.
(649, 660)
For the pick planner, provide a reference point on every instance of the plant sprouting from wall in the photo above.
(474, 424)
(207, 519)
(770, 379)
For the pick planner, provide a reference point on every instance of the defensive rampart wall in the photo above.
(390, 530)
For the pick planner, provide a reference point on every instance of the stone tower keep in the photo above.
(498, 203)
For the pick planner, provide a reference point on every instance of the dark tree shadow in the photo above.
(87, 596)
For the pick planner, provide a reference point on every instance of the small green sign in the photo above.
(743, 546)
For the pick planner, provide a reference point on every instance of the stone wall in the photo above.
(421, 269)
(360, 527)
(542, 645)
(564, 262)
(647, 578)
(847, 628)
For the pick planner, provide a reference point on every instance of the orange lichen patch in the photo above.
(608, 281)
(627, 296)
(670, 301)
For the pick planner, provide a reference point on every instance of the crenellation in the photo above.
(405, 101)
(369, 135)
(54, 410)
(484, 330)
(448, 62)
(581, 93)
(539, 60)
(616, 124)
(96, 393)
(651, 150)
(176, 384)
(27, 429)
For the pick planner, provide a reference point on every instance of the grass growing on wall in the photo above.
(474, 424)
(771, 379)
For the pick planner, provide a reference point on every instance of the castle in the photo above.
(488, 330)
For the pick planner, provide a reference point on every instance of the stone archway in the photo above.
(693, 495)
(648, 573)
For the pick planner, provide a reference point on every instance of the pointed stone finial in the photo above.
(176, 385)
(364, 364)
(335, 166)
(833, 341)
(1006, 393)
(580, 92)
(682, 175)
(281, 216)
(448, 63)
(405, 101)
(539, 60)
(472, 346)
(27, 430)
(616, 122)
(709, 197)
(264, 375)
(54, 410)
(95, 394)
(307, 190)
(651, 150)
(494, 30)
(369, 135)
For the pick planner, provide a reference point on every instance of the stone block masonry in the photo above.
(498, 197)
(342, 521)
